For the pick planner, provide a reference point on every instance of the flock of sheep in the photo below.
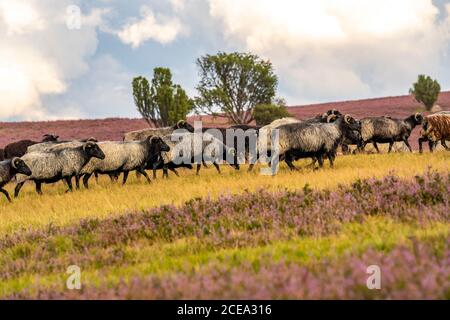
(50, 160)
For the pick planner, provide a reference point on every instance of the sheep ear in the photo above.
(324, 115)
(13, 162)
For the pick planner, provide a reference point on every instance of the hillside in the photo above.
(114, 128)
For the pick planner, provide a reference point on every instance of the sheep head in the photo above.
(20, 166)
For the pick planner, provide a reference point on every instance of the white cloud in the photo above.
(159, 28)
(103, 92)
(39, 55)
(178, 5)
(20, 17)
(328, 49)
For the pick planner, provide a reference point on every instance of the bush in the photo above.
(266, 113)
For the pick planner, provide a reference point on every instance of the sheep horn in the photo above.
(181, 123)
(331, 118)
(417, 116)
(347, 118)
(13, 162)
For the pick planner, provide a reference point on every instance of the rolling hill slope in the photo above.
(113, 128)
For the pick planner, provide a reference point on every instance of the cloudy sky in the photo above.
(53, 65)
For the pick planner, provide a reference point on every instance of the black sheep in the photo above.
(19, 148)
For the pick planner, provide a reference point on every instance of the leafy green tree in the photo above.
(233, 84)
(142, 100)
(163, 103)
(266, 113)
(426, 91)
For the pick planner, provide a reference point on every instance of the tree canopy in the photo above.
(426, 91)
(233, 84)
(163, 103)
(266, 113)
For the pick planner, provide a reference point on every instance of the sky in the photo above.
(68, 59)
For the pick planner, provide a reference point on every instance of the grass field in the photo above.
(236, 241)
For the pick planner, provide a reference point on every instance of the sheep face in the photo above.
(50, 137)
(352, 124)
(354, 137)
(158, 144)
(93, 150)
(20, 166)
(418, 119)
(184, 125)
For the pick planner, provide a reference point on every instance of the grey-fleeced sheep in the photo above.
(124, 157)
(267, 130)
(388, 130)
(160, 132)
(8, 169)
(315, 140)
(195, 148)
(435, 128)
(57, 145)
(52, 166)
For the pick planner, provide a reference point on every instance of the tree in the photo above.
(162, 103)
(266, 113)
(232, 84)
(426, 91)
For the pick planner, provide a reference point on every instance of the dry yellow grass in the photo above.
(105, 199)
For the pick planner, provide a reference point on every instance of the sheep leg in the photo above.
(17, 189)
(391, 144)
(421, 140)
(154, 168)
(320, 160)
(363, 146)
(444, 144)
(6, 194)
(142, 171)
(375, 145)
(69, 184)
(39, 187)
(407, 144)
(204, 164)
(125, 177)
(86, 180)
(198, 169)
(174, 171)
(312, 164)
(217, 167)
(331, 159)
(77, 181)
(112, 176)
(250, 167)
(289, 161)
(96, 177)
(345, 149)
